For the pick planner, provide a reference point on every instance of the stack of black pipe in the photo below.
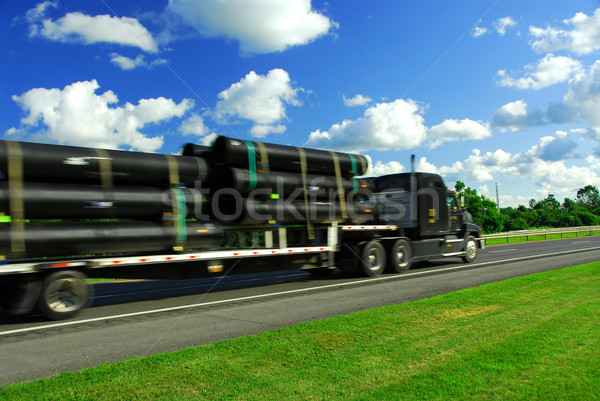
(259, 183)
(64, 201)
(72, 201)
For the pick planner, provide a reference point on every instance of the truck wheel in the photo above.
(400, 256)
(64, 294)
(470, 250)
(373, 258)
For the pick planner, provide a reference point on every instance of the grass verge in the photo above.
(533, 337)
(539, 237)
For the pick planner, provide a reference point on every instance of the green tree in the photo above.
(589, 198)
(484, 210)
(569, 205)
(515, 219)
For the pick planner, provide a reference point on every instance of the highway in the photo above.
(138, 318)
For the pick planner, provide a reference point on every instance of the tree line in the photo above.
(545, 213)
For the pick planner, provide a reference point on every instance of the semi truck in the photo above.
(72, 213)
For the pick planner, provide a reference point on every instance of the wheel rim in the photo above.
(401, 257)
(471, 249)
(65, 295)
(374, 259)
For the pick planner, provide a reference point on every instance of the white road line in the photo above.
(289, 292)
(504, 250)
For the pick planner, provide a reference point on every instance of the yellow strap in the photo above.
(338, 176)
(363, 163)
(106, 178)
(263, 167)
(173, 170)
(303, 167)
(105, 169)
(15, 196)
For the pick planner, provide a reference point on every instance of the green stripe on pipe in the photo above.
(354, 180)
(251, 164)
(180, 225)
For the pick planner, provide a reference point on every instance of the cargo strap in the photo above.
(263, 167)
(178, 205)
(340, 185)
(106, 178)
(303, 167)
(354, 172)
(15, 196)
(251, 164)
(105, 169)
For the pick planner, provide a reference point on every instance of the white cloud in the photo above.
(581, 103)
(548, 71)
(551, 176)
(582, 35)
(484, 190)
(480, 167)
(39, 11)
(261, 131)
(358, 100)
(516, 115)
(479, 31)
(36, 14)
(553, 148)
(261, 99)
(456, 130)
(126, 63)
(395, 167)
(424, 166)
(381, 168)
(76, 115)
(583, 96)
(209, 139)
(260, 26)
(384, 126)
(194, 125)
(77, 27)
(502, 24)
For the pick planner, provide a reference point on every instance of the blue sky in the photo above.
(481, 91)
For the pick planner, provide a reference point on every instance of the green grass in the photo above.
(533, 337)
(539, 237)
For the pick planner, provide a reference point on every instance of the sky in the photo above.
(489, 92)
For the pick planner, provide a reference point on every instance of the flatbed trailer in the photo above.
(57, 287)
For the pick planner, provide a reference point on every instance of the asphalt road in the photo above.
(140, 318)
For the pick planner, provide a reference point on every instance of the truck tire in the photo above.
(64, 294)
(470, 250)
(373, 259)
(400, 256)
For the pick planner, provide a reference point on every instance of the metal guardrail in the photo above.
(589, 230)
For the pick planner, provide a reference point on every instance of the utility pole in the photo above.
(497, 198)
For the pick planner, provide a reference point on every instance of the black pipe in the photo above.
(191, 149)
(96, 239)
(249, 211)
(248, 154)
(285, 183)
(64, 201)
(71, 164)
